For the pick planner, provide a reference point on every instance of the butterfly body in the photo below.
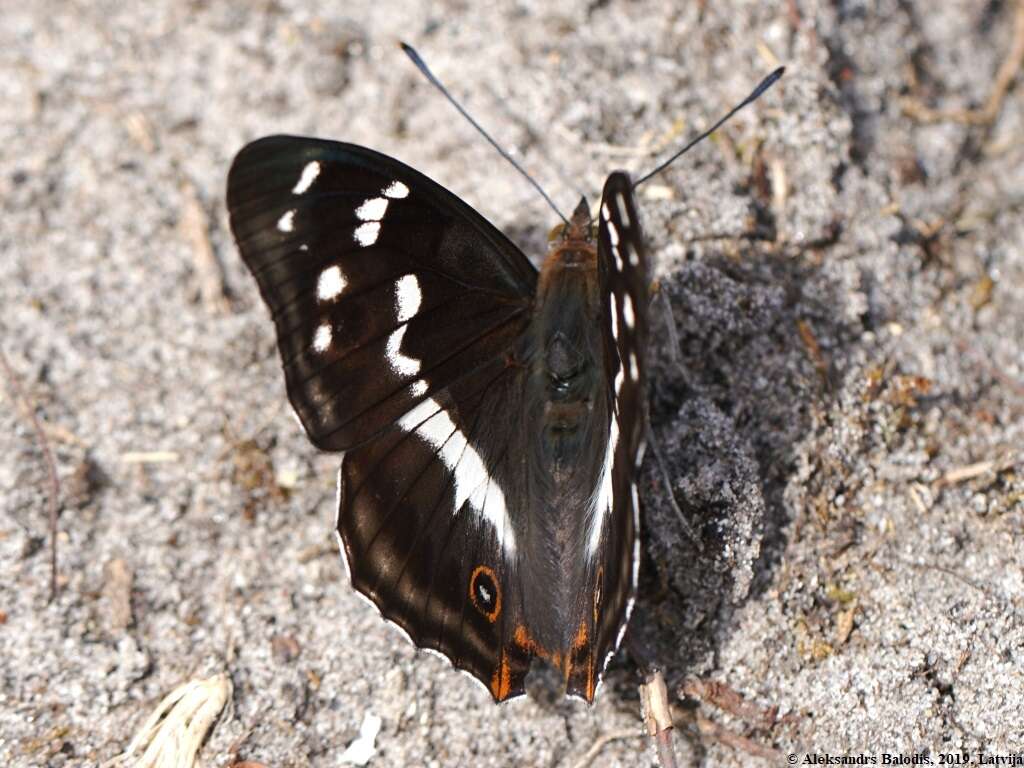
(491, 417)
(567, 416)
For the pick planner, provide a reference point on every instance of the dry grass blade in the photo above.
(172, 735)
(969, 472)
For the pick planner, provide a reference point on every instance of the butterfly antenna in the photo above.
(763, 86)
(422, 67)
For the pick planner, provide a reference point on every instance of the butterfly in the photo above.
(492, 416)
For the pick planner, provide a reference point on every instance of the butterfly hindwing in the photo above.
(426, 522)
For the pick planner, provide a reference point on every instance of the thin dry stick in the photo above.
(1004, 78)
(51, 466)
(195, 226)
(658, 716)
(962, 474)
(667, 480)
(673, 334)
(601, 742)
(721, 734)
(729, 700)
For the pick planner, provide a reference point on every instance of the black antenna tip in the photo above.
(410, 52)
(763, 86)
(773, 77)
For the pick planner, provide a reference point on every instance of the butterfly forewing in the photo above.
(384, 287)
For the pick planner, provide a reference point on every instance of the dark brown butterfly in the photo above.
(492, 417)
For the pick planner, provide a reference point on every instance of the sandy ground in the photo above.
(838, 393)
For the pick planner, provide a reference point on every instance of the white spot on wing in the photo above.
(407, 303)
(624, 210)
(602, 505)
(372, 210)
(396, 190)
(408, 297)
(366, 234)
(401, 364)
(627, 311)
(306, 178)
(633, 577)
(613, 234)
(287, 221)
(322, 337)
(634, 368)
(330, 284)
(605, 212)
(615, 316)
(470, 482)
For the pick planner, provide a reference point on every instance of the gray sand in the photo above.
(844, 283)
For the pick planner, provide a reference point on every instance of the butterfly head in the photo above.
(579, 229)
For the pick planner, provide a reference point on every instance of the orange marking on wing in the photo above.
(521, 637)
(579, 642)
(501, 681)
(581, 636)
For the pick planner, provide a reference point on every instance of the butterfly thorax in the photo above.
(566, 406)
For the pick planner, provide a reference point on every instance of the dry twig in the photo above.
(1004, 78)
(601, 742)
(51, 465)
(721, 734)
(962, 474)
(117, 590)
(667, 481)
(729, 700)
(658, 716)
(814, 352)
(195, 226)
